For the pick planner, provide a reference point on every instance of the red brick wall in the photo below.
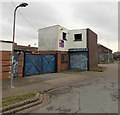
(104, 53)
(25, 48)
(20, 64)
(60, 66)
(6, 63)
(93, 49)
(103, 49)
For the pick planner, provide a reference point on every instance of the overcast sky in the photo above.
(101, 17)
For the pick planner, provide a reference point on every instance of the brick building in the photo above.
(58, 49)
(19, 51)
(76, 49)
(104, 54)
(5, 51)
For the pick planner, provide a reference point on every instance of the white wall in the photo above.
(5, 46)
(48, 39)
(60, 37)
(77, 44)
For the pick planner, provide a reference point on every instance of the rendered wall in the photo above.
(48, 39)
(77, 44)
(5, 46)
(60, 37)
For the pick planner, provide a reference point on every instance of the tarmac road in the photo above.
(95, 92)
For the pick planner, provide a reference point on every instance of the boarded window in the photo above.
(64, 36)
(77, 37)
(64, 58)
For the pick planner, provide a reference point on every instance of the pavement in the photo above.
(75, 92)
(90, 92)
(38, 82)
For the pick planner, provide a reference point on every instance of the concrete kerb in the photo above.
(33, 102)
(44, 102)
(38, 99)
(27, 105)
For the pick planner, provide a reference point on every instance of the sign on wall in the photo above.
(61, 43)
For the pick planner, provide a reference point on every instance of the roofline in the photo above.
(104, 46)
(6, 41)
(78, 29)
(48, 27)
(62, 27)
(66, 28)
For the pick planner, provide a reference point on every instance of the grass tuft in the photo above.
(9, 100)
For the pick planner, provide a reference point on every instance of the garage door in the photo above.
(39, 64)
(48, 63)
(79, 61)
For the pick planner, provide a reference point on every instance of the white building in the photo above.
(80, 44)
(58, 38)
(77, 38)
(50, 37)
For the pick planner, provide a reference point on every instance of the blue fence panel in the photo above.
(32, 64)
(79, 61)
(49, 63)
(38, 64)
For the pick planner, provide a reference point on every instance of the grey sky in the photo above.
(101, 17)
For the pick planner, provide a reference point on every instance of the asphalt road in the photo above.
(93, 92)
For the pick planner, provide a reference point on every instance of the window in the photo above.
(64, 36)
(78, 37)
(64, 58)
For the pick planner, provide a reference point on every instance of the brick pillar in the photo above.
(58, 61)
(6, 63)
(20, 64)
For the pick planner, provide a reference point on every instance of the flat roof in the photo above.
(6, 41)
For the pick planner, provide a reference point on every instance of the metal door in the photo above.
(38, 64)
(49, 63)
(79, 61)
(32, 64)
